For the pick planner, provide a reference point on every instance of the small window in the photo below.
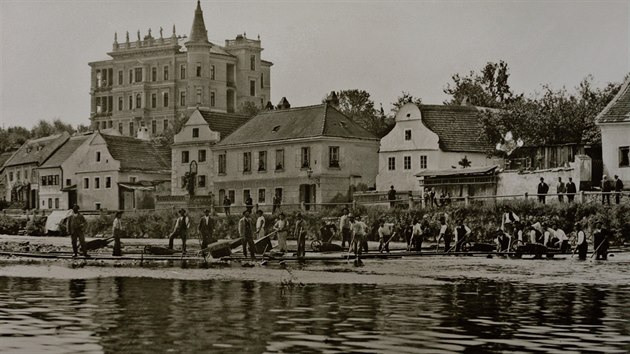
(195, 132)
(212, 99)
(252, 88)
(130, 103)
(182, 72)
(44, 181)
(275, 129)
(10, 176)
(97, 206)
(199, 95)
(86, 183)
(305, 157)
(423, 162)
(407, 134)
(132, 179)
(391, 163)
(247, 162)
(407, 162)
(222, 163)
(68, 181)
(262, 161)
(185, 157)
(182, 98)
(120, 128)
(246, 195)
(165, 127)
(98, 156)
(231, 195)
(97, 183)
(153, 100)
(198, 69)
(212, 72)
(333, 156)
(132, 132)
(262, 81)
(201, 181)
(154, 74)
(261, 196)
(252, 62)
(49, 203)
(130, 76)
(108, 182)
(624, 158)
(165, 99)
(154, 127)
(56, 203)
(201, 156)
(138, 100)
(120, 77)
(165, 76)
(120, 104)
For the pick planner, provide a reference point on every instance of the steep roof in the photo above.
(37, 150)
(456, 126)
(135, 154)
(617, 110)
(64, 152)
(295, 123)
(198, 32)
(224, 123)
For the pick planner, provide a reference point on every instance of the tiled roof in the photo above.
(295, 123)
(618, 110)
(473, 171)
(198, 31)
(456, 126)
(64, 152)
(224, 123)
(135, 154)
(37, 150)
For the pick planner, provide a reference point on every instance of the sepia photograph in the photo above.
(314, 176)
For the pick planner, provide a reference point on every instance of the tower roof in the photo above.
(198, 32)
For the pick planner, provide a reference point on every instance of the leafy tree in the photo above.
(168, 136)
(488, 88)
(402, 100)
(358, 106)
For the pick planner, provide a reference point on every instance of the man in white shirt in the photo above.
(461, 233)
(446, 234)
(344, 226)
(563, 240)
(260, 224)
(384, 235)
(582, 243)
(282, 228)
(359, 232)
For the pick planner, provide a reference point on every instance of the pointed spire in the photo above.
(174, 34)
(198, 32)
(116, 37)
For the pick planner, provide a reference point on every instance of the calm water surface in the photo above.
(474, 315)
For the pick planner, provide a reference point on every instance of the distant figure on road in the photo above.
(561, 189)
(391, 196)
(543, 188)
(75, 226)
(182, 224)
(618, 189)
(117, 232)
(226, 205)
(571, 190)
(606, 189)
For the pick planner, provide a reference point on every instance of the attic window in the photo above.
(275, 129)
(343, 124)
(408, 115)
(28, 149)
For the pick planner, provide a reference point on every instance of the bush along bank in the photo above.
(483, 219)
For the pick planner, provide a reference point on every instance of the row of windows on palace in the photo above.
(261, 194)
(305, 159)
(154, 126)
(391, 163)
(104, 77)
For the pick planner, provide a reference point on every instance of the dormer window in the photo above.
(408, 134)
(275, 129)
(195, 132)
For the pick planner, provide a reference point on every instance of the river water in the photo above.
(434, 305)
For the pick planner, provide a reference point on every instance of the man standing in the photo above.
(417, 235)
(276, 203)
(246, 232)
(249, 203)
(606, 189)
(75, 226)
(561, 189)
(618, 189)
(344, 225)
(359, 231)
(260, 224)
(445, 234)
(391, 196)
(117, 232)
(571, 190)
(181, 230)
(461, 233)
(543, 188)
(300, 234)
(384, 233)
(226, 205)
(600, 241)
(563, 240)
(205, 229)
(281, 227)
(582, 243)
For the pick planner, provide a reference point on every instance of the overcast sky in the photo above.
(316, 46)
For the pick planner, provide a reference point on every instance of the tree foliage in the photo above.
(487, 88)
(167, 136)
(358, 106)
(250, 109)
(402, 100)
(13, 137)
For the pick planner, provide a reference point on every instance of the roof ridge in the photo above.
(325, 120)
(292, 109)
(624, 88)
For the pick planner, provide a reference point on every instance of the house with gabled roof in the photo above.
(430, 137)
(57, 179)
(304, 155)
(614, 122)
(121, 173)
(191, 151)
(4, 157)
(21, 169)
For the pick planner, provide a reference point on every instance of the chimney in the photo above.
(143, 134)
(332, 99)
(284, 104)
(269, 106)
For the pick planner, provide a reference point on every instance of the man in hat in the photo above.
(345, 227)
(391, 196)
(246, 232)
(300, 234)
(182, 224)
(282, 227)
(582, 243)
(600, 241)
(571, 190)
(606, 189)
(561, 190)
(618, 189)
(206, 229)
(226, 205)
(75, 224)
(117, 232)
(542, 190)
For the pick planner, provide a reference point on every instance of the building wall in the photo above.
(615, 136)
(26, 173)
(51, 196)
(513, 182)
(357, 164)
(423, 142)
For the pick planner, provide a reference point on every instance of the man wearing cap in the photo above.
(206, 228)
(75, 226)
(246, 232)
(182, 224)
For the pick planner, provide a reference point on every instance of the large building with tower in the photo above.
(150, 81)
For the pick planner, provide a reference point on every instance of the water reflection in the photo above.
(157, 315)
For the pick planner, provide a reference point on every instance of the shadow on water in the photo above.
(127, 314)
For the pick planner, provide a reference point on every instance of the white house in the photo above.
(614, 122)
(430, 137)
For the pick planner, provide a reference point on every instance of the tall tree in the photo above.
(487, 88)
(358, 106)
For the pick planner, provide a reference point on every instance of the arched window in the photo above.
(138, 101)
